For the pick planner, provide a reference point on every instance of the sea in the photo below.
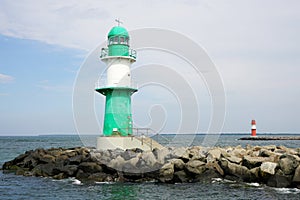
(19, 187)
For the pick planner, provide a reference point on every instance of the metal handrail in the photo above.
(140, 133)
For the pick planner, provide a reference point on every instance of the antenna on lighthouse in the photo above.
(118, 21)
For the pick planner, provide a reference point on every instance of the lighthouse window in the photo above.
(116, 40)
(122, 40)
(110, 41)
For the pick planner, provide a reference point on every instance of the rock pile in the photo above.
(275, 166)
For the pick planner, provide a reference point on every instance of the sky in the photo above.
(254, 45)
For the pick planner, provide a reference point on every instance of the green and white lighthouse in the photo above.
(118, 88)
(118, 125)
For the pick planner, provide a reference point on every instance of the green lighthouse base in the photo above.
(117, 117)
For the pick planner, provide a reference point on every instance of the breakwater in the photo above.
(271, 138)
(275, 166)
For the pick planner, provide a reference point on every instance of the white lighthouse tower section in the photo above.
(118, 72)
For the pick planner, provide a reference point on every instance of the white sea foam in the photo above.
(61, 180)
(105, 183)
(214, 180)
(288, 190)
(69, 180)
(228, 181)
(76, 182)
(253, 184)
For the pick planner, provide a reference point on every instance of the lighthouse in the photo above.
(253, 128)
(118, 89)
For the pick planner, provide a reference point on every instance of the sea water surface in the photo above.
(19, 187)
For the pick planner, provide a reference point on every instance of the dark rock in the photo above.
(216, 167)
(137, 150)
(69, 170)
(270, 147)
(265, 153)
(233, 178)
(181, 177)
(98, 177)
(71, 153)
(37, 171)
(28, 173)
(108, 170)
(280, 180)
(178, 164)
(90, 167)
(64, 159)
(20, 158)
(20, 171)
(132, 177)
(252, 162)
(56, 152)
(82, 151)
(235, 170)
(44, 170)
(8, 165)
(155, 152)
(75, 160)
(30, 162)
(60, 176)
(81, 175)
(288, 164)
(296, 177)
(255, 174)
(240, 171)
(87, 158)
(166, 173)
(195, 166)
(46, 158)
(206, 176)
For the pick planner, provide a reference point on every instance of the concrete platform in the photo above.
(129, 142)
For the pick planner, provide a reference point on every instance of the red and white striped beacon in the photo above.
(253, 128)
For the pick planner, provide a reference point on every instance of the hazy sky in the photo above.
(254, 44)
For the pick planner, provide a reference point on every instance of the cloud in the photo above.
(219, 25)
(6, 78)
(67, 24)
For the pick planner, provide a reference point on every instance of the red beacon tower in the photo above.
(253, 128)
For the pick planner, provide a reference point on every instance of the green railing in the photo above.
(105, 53)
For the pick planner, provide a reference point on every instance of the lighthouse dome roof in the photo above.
(118, 30)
